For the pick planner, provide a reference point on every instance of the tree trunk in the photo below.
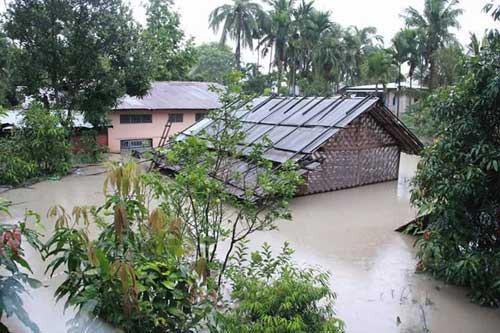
(271, 59)
(398, 92)
(258, 56)
(433, 73)
(238, 47)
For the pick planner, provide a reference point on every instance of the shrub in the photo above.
(273, 295)
(40, 148)
(135, 276)
(14, 168)
(44, 141)
(12, 260)
(87, 149)
(458, 181)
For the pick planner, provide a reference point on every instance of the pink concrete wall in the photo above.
(152, 130)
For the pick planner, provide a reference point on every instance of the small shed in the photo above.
(338, 142)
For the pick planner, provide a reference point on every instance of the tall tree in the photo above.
(171, 55)
(378, 66)
(359, 44)
(400, 52)
(81, 55)
(7, 84)
(240, 21)
(435, 22)
(214, 64)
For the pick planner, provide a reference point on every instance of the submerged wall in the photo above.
(363, 153)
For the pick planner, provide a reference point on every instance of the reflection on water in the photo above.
(350, 233)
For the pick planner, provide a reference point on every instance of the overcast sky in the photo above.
(382, 14)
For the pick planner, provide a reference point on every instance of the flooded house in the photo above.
(15, 118)
(138, 123)
(339, 142)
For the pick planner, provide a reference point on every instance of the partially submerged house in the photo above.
(139, 123)
(339, 142)
(397, 97)
(14, 119)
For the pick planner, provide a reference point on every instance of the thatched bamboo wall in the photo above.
(363, 153)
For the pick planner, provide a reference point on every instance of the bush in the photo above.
(458, 181)
(87, 150)
(12, 260)
(420, 120)
(14, 168)
(135, 276)
(40, 148)
(273, 295)
(44, 141)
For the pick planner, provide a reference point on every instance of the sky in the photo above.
(382, 14)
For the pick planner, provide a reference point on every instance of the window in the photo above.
(136, 144)
(136, 119)
(176, 117)
(200, 116)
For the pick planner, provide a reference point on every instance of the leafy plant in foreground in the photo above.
(273, 295)
(135, 276)
(13, 267)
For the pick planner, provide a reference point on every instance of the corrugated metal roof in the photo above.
(174, 96)
(300, 125)
(388, 86)
(14, 118)
(297, 127)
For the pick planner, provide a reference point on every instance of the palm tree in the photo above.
(359, 44)
(328, 57)
(240, 21)
(379, 65)
(401, 52)
(279, 34)
(434, 23)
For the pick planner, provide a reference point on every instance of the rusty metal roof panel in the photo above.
(173, 95)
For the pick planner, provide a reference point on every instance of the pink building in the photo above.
(138, 123)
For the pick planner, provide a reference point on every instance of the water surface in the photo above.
(349, 232)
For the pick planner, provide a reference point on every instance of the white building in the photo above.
(389, 94)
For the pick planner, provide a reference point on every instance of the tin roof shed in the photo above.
(345, 141)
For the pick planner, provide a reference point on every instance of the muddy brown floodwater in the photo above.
(349, 233)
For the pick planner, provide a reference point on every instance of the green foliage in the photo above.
(255, 83)
(433, 26)
(135, 275)
(199, 195)
(450, 64)
(273, 295)
(215, 62)
(240, 20)
(318, 87)
(44, 141)
(458, 181)
(87, 149)
(171, 55)
(7, 75)
(14, 167)
(13, 264)
(378, 66)
(79, 55)
(40, 148)
(420, 120)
